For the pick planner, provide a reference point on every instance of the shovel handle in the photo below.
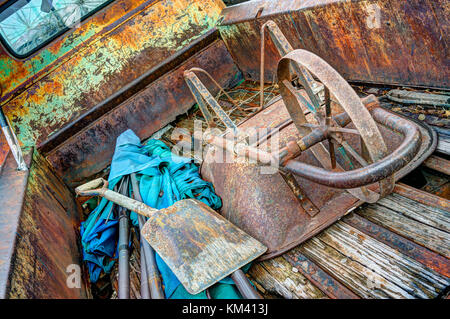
(92, 188)
(99, 187)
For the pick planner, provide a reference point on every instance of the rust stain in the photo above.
(18, 73)
(90, 151)
(102, 67)
(389, 42)
(46, 238)
(4, 150)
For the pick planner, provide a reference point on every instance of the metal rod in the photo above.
(199, 91)
(374, 172)
(328, 123)
(261, 71)
(153, 279)
(124, 236)
(145, 290)
(12, 142)
(244, 286)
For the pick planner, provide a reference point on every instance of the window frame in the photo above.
(13, 53)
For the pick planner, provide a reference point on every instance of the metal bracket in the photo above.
(312, 87)
(302, 198)
(203, 97)
(12, 142)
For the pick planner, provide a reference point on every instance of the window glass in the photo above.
(27, 25)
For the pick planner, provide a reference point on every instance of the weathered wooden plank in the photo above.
(422, 197)
(432, 216)
(323, 280)
(13, 186)
(418, 232)
(423, 255)
(278, 276)
(359, 278)
(398, 269)
(438, 164)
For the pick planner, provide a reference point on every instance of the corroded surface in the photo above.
(113, 48)
(4, 150)
(12, 189)
(394, 42)
(92, 148)
(366, 257)
(265, 207)
(198, 245)
(46, 238)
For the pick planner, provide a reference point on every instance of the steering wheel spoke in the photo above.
(343, 94)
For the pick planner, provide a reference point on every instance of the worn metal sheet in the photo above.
(12, 189)
(92, 148)
(200, 246)
(46, 237)
(265, 207)
(139, 41)
(389, 42)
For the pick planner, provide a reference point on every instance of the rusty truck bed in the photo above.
(69, 101)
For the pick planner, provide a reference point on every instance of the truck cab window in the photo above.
(28, 25)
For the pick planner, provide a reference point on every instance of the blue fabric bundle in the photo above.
(164, 178)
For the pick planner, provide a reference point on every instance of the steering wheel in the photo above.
(377, 166)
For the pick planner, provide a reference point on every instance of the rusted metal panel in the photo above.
(127, 91)
(12, 189)
(46, 238)
(91, 149)
(427, 257)
(20, 74)
(97, 70)
(389, 42)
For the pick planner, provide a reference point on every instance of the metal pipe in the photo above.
(153, 279)
(12, 142)
(124, 236)
(373, 172)
(244, 286)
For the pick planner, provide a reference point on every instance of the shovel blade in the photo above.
(199, 245)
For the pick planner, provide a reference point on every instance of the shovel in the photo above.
(200, 246)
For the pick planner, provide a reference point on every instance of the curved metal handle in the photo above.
(99, 187)
(371, 173)
(95, 187)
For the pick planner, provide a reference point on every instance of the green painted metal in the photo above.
(99, 58)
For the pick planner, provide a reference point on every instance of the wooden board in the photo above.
(396, 248)
(418, 232)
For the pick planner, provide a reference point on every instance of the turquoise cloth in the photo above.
(164, 178)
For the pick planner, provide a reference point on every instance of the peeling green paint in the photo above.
(165, 27)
